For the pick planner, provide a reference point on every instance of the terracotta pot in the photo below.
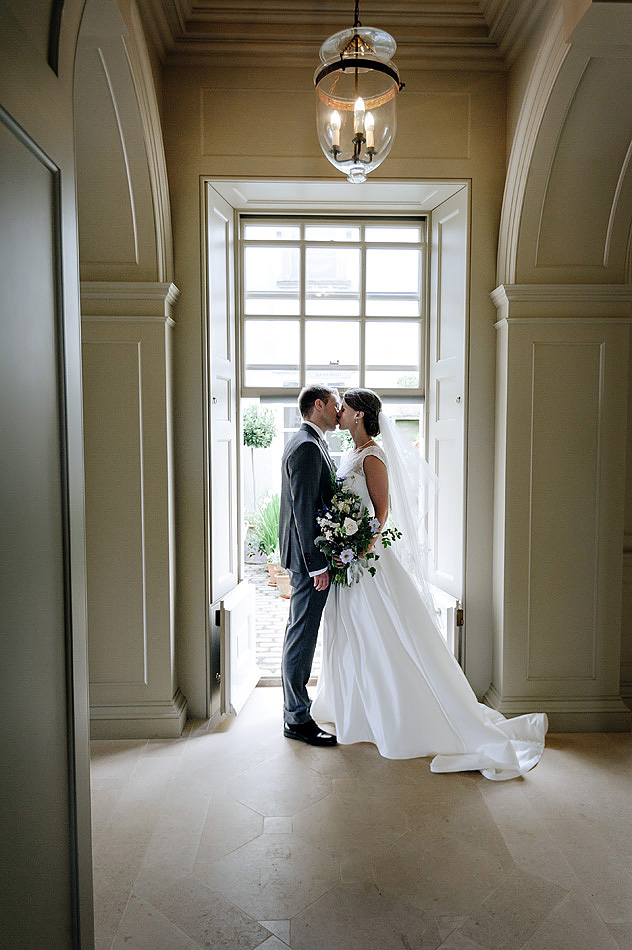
(283, 583)
(273, 570)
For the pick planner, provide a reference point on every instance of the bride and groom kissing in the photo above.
(387, 675)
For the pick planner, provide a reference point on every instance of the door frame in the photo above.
(224, 185)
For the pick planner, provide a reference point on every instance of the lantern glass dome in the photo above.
(356, 89)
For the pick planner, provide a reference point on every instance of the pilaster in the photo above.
(562, 378)
(127, 375)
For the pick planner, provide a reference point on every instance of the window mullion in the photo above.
(302, 306)
(362, 367)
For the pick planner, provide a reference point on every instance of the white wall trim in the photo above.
(548, 293)
(120, 318)
(547, 66)
(558, 321)
(572, 714)
(140, 68)
(129, 290)
(139, 720)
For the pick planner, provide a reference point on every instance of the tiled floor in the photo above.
(241, 839)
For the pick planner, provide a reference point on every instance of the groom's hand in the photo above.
(321, 581)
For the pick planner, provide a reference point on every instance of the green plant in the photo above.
(259, 427)
(266, 531)
(259, 431)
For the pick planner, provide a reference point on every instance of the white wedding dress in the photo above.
(388, 677)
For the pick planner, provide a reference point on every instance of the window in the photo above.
(339, 301)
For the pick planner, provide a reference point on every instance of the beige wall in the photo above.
(260, 123)
(564, 247)
(127, 303)
(46, 837)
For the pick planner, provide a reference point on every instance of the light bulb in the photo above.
(334, 124)
(369, 126)
(358, 116)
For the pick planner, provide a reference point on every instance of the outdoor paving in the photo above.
(271, 618)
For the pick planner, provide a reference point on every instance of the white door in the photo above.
(239, 673)
(446, 401)
(222, 476)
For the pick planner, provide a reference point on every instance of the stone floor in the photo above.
(271, 618)
(241, 839)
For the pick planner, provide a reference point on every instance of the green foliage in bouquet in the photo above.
(346, 531)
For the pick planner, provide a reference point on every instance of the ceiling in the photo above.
(470, 34)
(378, 197)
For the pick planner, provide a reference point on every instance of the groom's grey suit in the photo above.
(305, 487)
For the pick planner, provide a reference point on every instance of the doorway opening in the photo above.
(317, 295)
(337, 300)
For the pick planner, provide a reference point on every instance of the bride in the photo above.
(387, 675)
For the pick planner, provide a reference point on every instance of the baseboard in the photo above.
(576, 714)
(626, 693)
(142, 721)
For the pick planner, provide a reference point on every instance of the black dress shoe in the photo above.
(308, 732)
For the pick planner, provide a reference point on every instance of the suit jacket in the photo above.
(305, 487)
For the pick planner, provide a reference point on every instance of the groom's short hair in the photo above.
(309, 395)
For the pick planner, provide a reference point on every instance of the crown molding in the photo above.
(459, 34)
(552, 293)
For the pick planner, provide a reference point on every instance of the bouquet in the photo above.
(346, 530)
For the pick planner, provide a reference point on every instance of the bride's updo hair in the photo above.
(368, 402)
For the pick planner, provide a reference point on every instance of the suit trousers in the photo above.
(301, 633)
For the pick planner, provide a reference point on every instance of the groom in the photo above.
(305, 487)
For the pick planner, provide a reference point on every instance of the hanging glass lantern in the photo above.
(356, 88)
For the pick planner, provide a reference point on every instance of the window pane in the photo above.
(392, 271)
(328, 232)
(396, 235)
(291, 417)
(392, 307)
(392, 355)
(272, 306)
(272, 232)
(332, 306)
(332, 352)
(331, 270)
(271, 353)
(272, 273)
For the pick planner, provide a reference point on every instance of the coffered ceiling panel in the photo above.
(475, 34)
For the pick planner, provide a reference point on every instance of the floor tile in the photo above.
(515, 910)
(273, 943)
(228, 826)
(225, 836)
(281, 928)
(573, 925)
(458, 941)
(447, 924)
(273, 877)
(274, 790)
(208, 917)
(145, 928)
(361, 917)
(441, 874)
(622, 934)
(278, 826)
(348, 834)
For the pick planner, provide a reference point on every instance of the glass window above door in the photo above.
(339, 301)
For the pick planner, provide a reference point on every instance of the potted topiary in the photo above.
(259, 431)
